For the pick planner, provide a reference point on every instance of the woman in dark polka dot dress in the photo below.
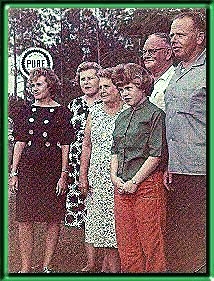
(39, 173)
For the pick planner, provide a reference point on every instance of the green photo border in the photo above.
(210, 100)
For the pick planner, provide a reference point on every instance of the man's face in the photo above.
(184, 38)
(156, 53)
(89, 82)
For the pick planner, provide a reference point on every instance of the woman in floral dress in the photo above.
(95, 181)
(89, 83)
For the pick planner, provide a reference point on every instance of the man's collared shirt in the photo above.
(139, 133)
(160, 85)
(185, 100)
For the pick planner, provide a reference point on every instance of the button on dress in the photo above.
(42, 128)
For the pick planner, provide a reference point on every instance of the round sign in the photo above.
(33, 58)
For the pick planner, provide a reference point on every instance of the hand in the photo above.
(13, 183)
(118, 183)
(61, 187)
(83, 187)
(130, 187)
(120, 189)
(167, 180)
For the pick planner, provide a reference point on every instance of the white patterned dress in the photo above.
(100, 222)
(75, 207)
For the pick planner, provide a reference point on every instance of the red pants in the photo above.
(140, 226)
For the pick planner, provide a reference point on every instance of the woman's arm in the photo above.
(65, 151)
(117, 182)
(146, 169)
(17, 152)
(85, 158)
(155, 144)
(62, 182)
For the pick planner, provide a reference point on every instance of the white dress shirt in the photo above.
(160, 85)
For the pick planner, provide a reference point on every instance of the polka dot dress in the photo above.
(44, 130)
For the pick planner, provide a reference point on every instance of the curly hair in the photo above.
(133, 73)
(51, 79)
(106, 73)
(85, 66)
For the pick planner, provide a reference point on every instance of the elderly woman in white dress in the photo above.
(95, 182)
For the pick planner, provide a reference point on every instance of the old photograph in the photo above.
(107, 140)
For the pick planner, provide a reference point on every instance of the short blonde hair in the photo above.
(106, 73)
(85, 66)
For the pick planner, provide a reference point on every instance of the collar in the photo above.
(200, 60)
(95, 102)
(168, 73)
(141, 105)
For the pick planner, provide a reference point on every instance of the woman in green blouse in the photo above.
(138, 150)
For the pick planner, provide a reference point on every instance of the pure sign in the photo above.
(34, 57)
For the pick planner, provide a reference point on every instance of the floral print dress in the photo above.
(100, 222)
(75, 207)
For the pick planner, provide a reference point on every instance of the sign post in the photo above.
(34, 57)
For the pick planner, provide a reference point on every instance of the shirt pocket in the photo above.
(194, 104)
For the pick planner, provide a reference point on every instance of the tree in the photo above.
(107, 36)
(24, 32)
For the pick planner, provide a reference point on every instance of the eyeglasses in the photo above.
(151, 51)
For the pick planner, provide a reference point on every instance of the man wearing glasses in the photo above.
(158, 59)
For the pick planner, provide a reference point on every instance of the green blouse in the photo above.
(139, 133)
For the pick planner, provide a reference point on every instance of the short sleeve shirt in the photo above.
(185, 100)
(139, 133)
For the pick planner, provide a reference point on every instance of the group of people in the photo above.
(126, 160)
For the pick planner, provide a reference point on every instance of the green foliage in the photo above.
(108, 36)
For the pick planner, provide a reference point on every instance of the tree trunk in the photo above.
(15, 60)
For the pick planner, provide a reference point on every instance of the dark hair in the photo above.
(85, 66)
(197, 18)
(133, 73)
(51, 79)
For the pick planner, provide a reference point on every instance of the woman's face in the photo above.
(89, 82)
(131, 94)
(39, 88)
(108, 91)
